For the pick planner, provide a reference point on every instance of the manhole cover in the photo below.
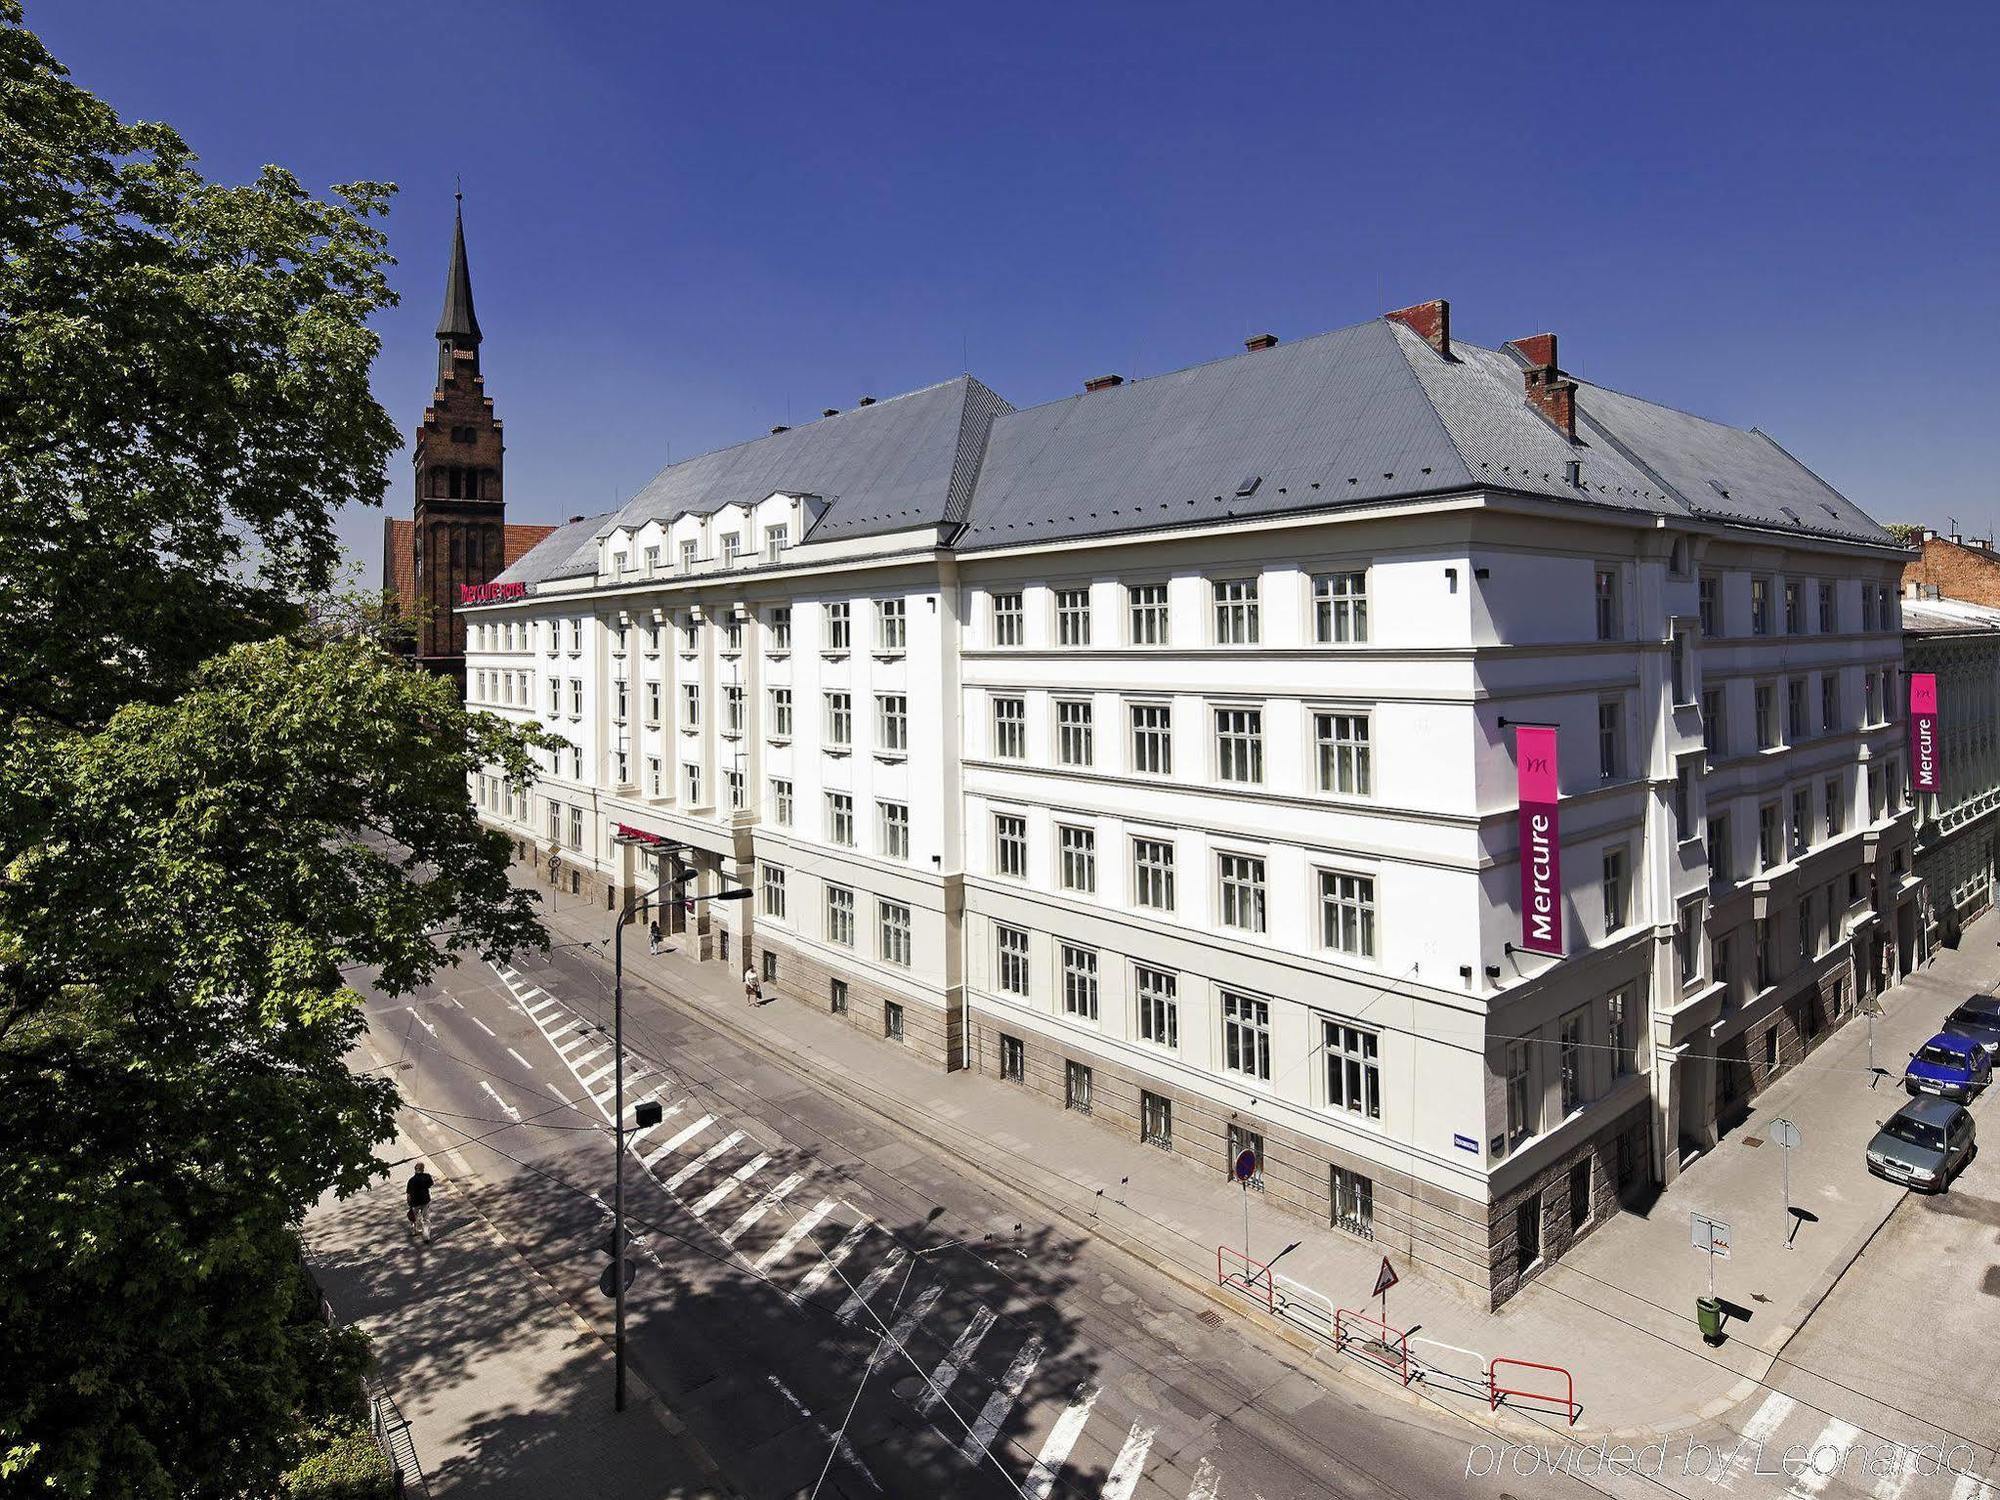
(1752, 1141)
(1209, 1316)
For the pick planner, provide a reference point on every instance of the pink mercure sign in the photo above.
(1924, 732)
(491, 593)
(1541, 841)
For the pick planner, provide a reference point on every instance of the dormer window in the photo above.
(732, 547)
(617, 563)
(776, 538)
(690, 554)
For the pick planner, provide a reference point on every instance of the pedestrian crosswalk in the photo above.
(819, 1249)
(1788, 1448)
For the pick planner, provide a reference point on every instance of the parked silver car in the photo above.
(1922, 1144)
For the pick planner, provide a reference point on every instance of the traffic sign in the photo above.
(1710, 1235)
(1784, 1133)
(1246, 1165)
(1384, 1278)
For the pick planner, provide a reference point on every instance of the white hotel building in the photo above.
(1151, 748)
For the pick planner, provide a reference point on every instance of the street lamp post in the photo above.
(618, 1111)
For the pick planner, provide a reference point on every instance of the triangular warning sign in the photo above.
(1384, 1278)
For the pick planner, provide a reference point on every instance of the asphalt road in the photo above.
(834, 1305)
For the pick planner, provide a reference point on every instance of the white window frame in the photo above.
(1340, 607)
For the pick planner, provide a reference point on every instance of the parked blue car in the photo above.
(1979, 1019)
(1949, 1065)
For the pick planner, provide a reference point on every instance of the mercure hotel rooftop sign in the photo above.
(491, 593)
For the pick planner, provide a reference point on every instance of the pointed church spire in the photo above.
(458, 323)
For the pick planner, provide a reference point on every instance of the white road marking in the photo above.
(761, 1207)
(729, 1185)
(420, 1020)
(1062, 1437)
(809, 1283)
(536, 1010)
(561, 1095)
(914, 1314)
(512, 1113)
(686, 1134)
(603, 1072)
(840, 1444)
(954, 1361)
(870, 1285)
(702, 1160)
(1130, 1463)
(1206, 1481)
(1756, 1433)
(1892, 1482)
(570, 1046)
(456, 1001)
(451, 1155)
(1832, 1446)
(789, 1240)
(1005, 1394)
(1969, 1488)
(484, 1027)
(520, 1059)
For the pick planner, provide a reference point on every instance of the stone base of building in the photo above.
(1570, 1197)
(920, 1026)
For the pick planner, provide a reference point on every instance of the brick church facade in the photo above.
(458, 533)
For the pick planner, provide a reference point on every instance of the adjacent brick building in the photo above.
(1952, 567)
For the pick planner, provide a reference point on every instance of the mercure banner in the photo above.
(1541, 840)
(1923, 732)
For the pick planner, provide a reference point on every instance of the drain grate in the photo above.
(1209, 1316)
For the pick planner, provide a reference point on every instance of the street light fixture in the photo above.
(618, 1276)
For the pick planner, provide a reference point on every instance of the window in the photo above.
(732, 709)
(575, 635)
(1157, 994)
(781, 713)
(840, 915)
(1074, 732)
(775, 540)
(1616, 889)
(840, 818)
(774, 891)
(1078, 848)
(1010, 728)
(1709, 609)
(1683, 801)
(1829, 702)
(691, 782)
(1340, 608)
(652, 635)
(1239, 744)
(781, 628)
(652, 703)
(1353, 1068)
(1826, 609)
(839, 720)
(732, 548)
(1805, 928)
(1153, 873)
(1241, 1139)
(732, 784)
(691, 631)
(1156, 1120)
(690, 555)
(1835, 803)
(1009, 620)
(892, 828)
(1242, 881)
(1760, 606)
(690, 705)
(1079, 970)
(839, 627)
(1073, 617)
(1713, 739)
(1795, 612)
(1719, 868)
(555, 696)
(1152, 739)
(1719, 952)
(1347, 913)
(576, 828)
(1795, 711)
(1146, 604)
(1770, 843)
(1872, 702)
(1620, 1010)
(576, 697)
(1340, 751)
(892, 922)
(1610, 736)
(768, 961)
(1010, 846)
(1687, 941)
(732, 633)
(1677, 657)
(1013, 1059)
(1766, 715)
(1885, 608)
(1801, 821)
(1569, 1061)
(836, 996)
(892, 723)
(1246, 1035)
(892, 1020)
(781, 801)
(621, 768)
(1353, 1203)
(1867, 607)
(1523, 1109)
(653, 776)
(1607, 604)
(1236, 612)
(1076, 1087)
(891, 625)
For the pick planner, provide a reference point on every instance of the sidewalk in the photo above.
(507, 1392)
(1617, 1311)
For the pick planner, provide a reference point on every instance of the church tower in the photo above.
(459, 532)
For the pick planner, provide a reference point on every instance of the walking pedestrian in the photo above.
(418, 1192)
(653, 939)
(753, 987)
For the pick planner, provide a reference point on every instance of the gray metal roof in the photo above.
(1949, 617)
(570, 551)
(907, 461)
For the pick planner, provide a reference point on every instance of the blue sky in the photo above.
(688, 222)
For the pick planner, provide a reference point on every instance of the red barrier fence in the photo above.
(1254, 1279)
(1377, 1341)
(1495, 1390)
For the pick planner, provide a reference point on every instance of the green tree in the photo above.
(216, 800)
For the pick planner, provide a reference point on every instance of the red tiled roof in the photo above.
(399, 573)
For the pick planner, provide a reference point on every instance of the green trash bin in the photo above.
(1708, 1313)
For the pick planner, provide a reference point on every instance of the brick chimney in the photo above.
(1103, 382)
(1546, 389)
(1258, 341)
(1429, 321)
